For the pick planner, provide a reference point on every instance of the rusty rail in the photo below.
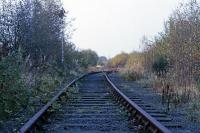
(142, 116)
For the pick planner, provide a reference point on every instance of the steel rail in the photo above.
(147, 120)
(31, 125)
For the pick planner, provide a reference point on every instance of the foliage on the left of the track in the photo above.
(36, 57)
(13, 92)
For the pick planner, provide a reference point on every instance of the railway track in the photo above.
(97, 106)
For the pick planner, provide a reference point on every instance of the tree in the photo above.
(119, 60)
(32, 42)
(174, 55)
(135, 62)
(88, 58)
(160, 66)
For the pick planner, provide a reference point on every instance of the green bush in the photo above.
(44, 88)
(13, 93)
(160, 65)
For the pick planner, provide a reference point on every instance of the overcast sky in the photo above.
(112, 26)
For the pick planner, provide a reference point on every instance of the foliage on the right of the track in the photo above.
(170, 62)
(130, 65)
(119, 60)
(131, 75)
(173, 57)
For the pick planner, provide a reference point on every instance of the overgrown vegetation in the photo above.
(14, 94)
(170, 63)
(130, 65)
(174, 56)
(36, 56)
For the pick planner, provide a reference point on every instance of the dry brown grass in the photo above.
(173, 95)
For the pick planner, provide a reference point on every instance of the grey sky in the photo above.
(112, 26)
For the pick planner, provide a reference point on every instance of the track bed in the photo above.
(91, 110)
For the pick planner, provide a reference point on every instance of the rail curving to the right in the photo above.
(149, 123)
